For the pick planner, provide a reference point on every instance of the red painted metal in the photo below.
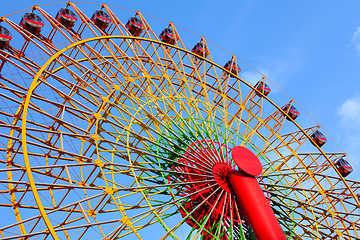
(197, 161)
(198, 215)
(221, 172)
(34, 22)
(204, 155)
(251, 199)
(5, 36)
(68, 16)
(246, 161)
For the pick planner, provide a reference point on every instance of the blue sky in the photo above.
(310, 49)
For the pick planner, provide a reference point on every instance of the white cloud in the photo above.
(278, 72)
(349, 130)
(355, 39)
(251, 77)
(278, 69)
(349, 113)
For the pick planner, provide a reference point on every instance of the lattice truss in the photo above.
(93, 124)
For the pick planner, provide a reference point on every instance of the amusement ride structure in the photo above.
(113, 129)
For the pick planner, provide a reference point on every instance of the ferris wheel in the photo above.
(111, 129)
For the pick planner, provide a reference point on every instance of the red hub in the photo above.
(221, 173)
(211, 186)
(203, 162)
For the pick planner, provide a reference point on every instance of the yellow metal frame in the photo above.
(37, 81)
(248, 115)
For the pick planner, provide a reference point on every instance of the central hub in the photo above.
(205, 162)
(221, 173)
(206, 167)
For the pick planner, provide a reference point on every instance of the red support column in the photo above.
(250, 196)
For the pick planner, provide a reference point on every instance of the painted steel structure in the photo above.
(108, 135)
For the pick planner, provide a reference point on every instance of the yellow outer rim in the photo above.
(35, 83)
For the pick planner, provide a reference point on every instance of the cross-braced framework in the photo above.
(108, 135)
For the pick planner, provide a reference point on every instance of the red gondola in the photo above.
(101, 19)
(230, 65)
(167, 36)
(343, 166)
(66, 17)
(293, 113)
(5, 37)
(134, 26)
(318, 138)
(262, 88)
(32, 23)
(200, 49)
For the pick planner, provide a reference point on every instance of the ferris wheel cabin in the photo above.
(5, 37)
(262, 88)
(167, 36)
(293, 113)
(32, 23)
(134, 26)
(66, 17)
(101, 19)
(318, 138)
(343, 166)
(232, 67)
(200, 49)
